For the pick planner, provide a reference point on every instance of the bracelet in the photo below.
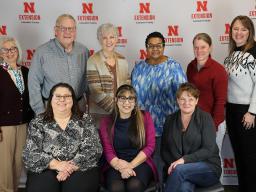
(252, 113)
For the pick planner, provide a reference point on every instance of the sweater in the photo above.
(241, 69)
(212, 81)
(15, 108)
(101, 82)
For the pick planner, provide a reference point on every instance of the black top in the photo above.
(197, 143)
(122, 145)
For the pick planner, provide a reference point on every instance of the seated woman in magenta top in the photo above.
(128, 139)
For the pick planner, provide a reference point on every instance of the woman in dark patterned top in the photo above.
(63, 147)
(241, 100)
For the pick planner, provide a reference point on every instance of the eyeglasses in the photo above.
(123, 99)
(157, 46)
(11, 50)
(64, 97)
(66, 29)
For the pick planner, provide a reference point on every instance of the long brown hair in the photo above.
(248, 24)
(136, 130)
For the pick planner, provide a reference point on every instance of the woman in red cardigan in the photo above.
(128, 139)
(211, 79)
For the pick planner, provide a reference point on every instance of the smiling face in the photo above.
(62, 101)
(126, 102)
(240, 33)
(155, 48)
(9, 52)
(65, 32)
(202, 51)
(108, 41)
(187, 103)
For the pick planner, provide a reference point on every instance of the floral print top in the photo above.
(79, 143)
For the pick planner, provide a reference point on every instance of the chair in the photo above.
(215, 188)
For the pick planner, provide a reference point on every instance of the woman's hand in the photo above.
(62, 176)
(66, 166)
(127, 172)
(122, 164)
(174, 164)
(248, 121)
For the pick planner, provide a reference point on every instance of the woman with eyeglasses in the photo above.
(188, 147)
(106, 71)
(63, 147)
(15, 112)
(128, 139)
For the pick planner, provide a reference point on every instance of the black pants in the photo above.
(80, 181)
(115, 183)
(244, 146)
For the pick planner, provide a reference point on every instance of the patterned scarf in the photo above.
(16, 76)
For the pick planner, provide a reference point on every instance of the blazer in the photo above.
(108, 148)
(15, 108)
(199, 140)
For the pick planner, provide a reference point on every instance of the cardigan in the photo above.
(101, 82)
(198, 140)
(212, 81)
(241, 69)
(148, 149)
(15, 108)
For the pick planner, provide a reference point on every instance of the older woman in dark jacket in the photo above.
(188, 148)
(15, 113)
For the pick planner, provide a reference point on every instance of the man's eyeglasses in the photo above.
(66, 29)
(157, 46)
(11, 50)
(123, 99)
(64, 97)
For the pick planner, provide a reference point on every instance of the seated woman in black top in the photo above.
(188, 147)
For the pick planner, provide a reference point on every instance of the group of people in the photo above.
(81, 121)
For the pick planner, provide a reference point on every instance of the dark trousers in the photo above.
(80, 181)
(244, 146)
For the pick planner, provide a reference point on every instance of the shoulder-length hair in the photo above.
(136, 130)
(48, 114)
(248, 24)
(6, 39)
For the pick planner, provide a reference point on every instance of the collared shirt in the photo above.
(79, 142)
(156, 87)
(51, 65)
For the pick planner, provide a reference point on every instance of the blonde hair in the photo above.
(203, 36)
(5, 39)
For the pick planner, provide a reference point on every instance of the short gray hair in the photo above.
(105, 28)
(61, 17)
(5, 39)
